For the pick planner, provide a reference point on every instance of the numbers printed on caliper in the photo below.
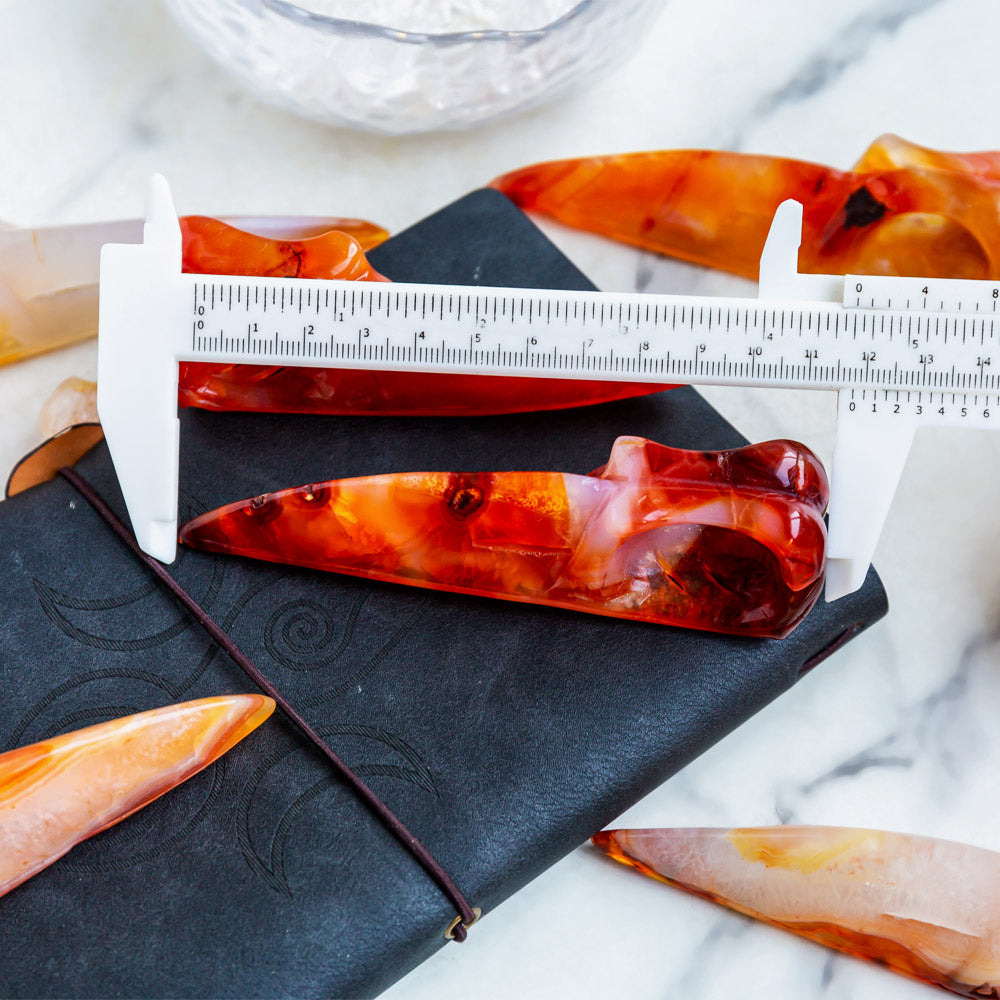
(628, 337)
(946, 409)
(955, 295)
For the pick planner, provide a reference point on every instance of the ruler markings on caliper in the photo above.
(621, 343)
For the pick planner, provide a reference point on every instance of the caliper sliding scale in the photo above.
(900, 352)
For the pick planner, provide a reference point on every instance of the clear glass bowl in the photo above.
(373, 77)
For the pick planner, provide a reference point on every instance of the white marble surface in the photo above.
(896, 731)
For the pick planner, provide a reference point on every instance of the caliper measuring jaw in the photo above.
(139, 315)
(149, 321)
(870, 451)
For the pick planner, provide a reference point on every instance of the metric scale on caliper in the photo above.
(900, 352)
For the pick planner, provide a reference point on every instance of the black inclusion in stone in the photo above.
(862, 208)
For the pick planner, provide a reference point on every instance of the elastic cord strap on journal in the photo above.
(467, 915)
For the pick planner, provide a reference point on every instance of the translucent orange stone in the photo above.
(63, 790)
(211, 246)
(730, 541)
(902, 210)
(924, 907)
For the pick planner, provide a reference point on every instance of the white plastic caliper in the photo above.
(899, 351)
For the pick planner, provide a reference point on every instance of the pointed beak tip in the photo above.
(264, 707)
(201, 532)
(603, 840)
(186, 535)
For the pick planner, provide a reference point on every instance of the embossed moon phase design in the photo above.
(282, 787)
(134, 620)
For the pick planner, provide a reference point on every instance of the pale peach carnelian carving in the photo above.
(212, 247)
(926, 908)
(730, 541)
(902, 209)
(63, 790)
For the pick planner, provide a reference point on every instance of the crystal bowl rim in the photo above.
(327, 24)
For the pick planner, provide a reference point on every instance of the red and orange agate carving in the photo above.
(730, 541)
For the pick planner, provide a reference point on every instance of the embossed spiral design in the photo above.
(303, 635)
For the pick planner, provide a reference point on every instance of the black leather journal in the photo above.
(502, 734)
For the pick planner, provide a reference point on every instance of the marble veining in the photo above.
(896, 731)
(855, 41)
